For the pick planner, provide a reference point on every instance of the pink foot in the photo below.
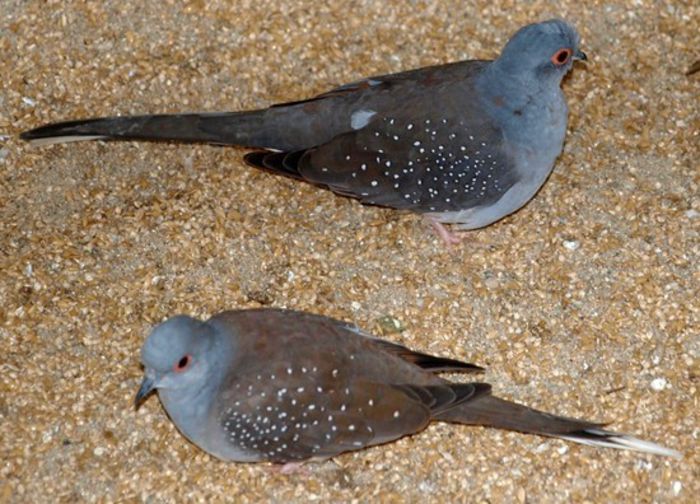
(449, 238)
(291, 468)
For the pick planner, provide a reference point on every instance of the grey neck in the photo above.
(522, 106)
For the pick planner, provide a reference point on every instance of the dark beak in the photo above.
(147, 386)
(580, 55)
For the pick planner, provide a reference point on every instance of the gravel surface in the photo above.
(584, 303)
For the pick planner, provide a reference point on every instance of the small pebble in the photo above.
(659, 384)
(677, 487)
(571, 244)
(390, 325)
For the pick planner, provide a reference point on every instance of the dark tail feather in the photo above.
(494, 412)
(229, 128)
(281, 163)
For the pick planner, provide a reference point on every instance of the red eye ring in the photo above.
(561, 56)
(183, 363)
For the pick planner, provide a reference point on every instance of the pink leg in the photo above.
(449, 238)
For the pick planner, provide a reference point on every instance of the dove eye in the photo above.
(561, 56)
(183, 363)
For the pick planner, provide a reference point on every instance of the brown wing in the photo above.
(429, 153)
(321, 411)
(429, 362)
(319, 387)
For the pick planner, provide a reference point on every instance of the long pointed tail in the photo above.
(494, 412)
(229, 128)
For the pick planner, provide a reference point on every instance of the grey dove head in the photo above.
(175, 355)
(540, 51)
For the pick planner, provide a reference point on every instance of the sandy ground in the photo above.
(584, 303)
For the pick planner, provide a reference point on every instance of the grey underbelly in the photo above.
(512, 200)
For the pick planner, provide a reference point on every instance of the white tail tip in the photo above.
(622, 442)
(63, 139)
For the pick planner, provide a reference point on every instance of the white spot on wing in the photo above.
(360, 118)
